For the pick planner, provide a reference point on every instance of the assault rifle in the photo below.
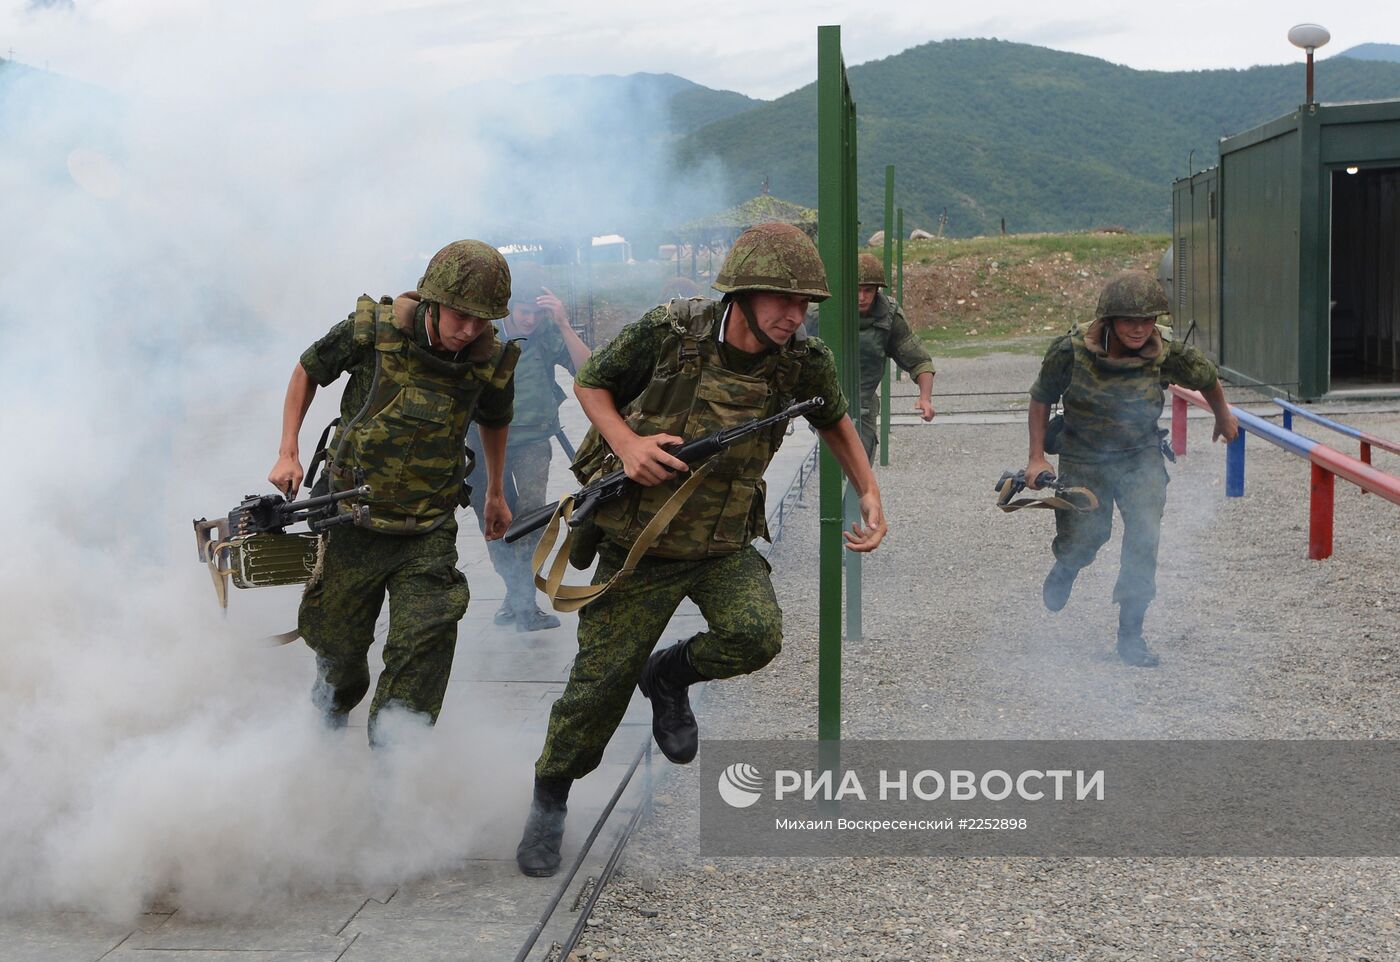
(591, 496)
(251, 546)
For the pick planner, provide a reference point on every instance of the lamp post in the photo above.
(1309, 36)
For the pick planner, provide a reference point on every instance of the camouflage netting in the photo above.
(762, 209)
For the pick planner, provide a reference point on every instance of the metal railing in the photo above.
(1327, 463)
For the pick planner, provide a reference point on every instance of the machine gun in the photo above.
(251, 546)
(1063, 496)
(591, 496)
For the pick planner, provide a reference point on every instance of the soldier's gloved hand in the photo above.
(1034, 467)
(286, 474)
(924, 409)
(1227, 427)
(646, 460)
(496, 514)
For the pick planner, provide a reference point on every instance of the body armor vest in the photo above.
(1112, 405)
(692, 394)
(408, 440)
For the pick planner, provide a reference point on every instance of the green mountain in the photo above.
(678, 105)
(1373, 51)
(1050, 141)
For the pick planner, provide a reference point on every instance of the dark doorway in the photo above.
(1365, 292)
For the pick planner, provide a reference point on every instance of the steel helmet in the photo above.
(773, 257)
(872, 271)
(468, 276)
(1132, 294)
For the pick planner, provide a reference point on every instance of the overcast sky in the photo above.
(762, 49)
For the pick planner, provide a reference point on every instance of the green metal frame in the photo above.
(838, 325)
(885, 375)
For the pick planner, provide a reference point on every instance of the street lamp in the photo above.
(1309, 36)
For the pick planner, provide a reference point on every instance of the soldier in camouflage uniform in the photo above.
(884, 334)
(1111, 379)
(421, 366)
(687, 369)
(539, 325)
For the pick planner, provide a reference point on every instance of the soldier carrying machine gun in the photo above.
(252, 547)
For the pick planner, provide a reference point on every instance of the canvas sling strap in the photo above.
(573, 597)
(1063, 497)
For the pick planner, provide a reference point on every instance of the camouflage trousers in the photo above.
(427, 597)
(1137, 484)
(618, 631)
(526, 478)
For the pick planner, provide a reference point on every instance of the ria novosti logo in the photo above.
(739, 785)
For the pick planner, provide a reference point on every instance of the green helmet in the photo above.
(773, 257)
(1132, 294)
(468, 276)
(679, 286)
(872, 271)
(527, 282)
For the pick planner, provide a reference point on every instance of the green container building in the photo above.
(1286, 256)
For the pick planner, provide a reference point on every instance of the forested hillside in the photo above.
(1047, 140)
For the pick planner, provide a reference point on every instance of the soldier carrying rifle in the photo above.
(685, 370)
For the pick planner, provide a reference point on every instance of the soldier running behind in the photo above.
(682, 371)
(1111, 379)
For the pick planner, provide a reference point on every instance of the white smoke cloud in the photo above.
(168, 252)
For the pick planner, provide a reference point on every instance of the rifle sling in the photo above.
(573, 597)
(1057, 501)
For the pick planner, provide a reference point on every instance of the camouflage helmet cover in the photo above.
(678, 285)
(872, 271)
(773, 257)
(1132, 294)
(468, 276)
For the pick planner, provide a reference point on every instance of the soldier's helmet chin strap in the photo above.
(745, 302)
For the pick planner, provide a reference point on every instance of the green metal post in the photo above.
(836, 230)
(851, 387)
(885, 376)
(899, 256)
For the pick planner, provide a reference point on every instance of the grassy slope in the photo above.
(1013, 293)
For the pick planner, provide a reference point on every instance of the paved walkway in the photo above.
(483, 909)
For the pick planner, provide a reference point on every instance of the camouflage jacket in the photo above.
(884, 333)
(692, 389)
(1112, 405)
(406, 437)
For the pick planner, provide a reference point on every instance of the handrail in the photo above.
(1366, 438)
(1327, 464)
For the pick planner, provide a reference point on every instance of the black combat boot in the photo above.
(668, 673)
(538, 851)
(1058, 584)
(1131, 647)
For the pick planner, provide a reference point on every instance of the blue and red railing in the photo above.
(1328, 464)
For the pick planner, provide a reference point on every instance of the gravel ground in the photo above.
(1256, 641)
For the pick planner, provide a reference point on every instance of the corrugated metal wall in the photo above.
(1259, 259)
(1196, 255)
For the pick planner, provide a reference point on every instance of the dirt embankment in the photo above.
(1018, 285)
